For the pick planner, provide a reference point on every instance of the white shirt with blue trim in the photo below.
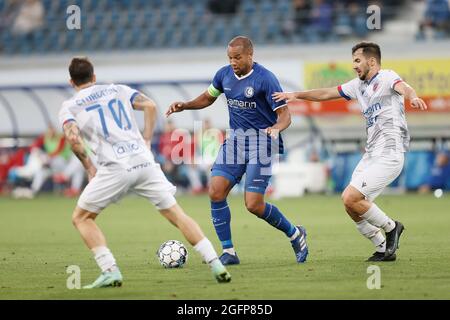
(104, 114)
(384, 111)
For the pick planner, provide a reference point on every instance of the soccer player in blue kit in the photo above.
(252, 145)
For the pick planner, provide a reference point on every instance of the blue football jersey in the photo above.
(249, 98)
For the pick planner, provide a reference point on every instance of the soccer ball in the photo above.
(172, 254)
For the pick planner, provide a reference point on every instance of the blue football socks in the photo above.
(221, 218)
(275, 218)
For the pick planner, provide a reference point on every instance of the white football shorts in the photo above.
(374, 173)
(110, 184)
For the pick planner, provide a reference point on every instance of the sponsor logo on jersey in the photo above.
(249, 92)
(375, 86)
(239, 104)
(369, 111)
(124, 149)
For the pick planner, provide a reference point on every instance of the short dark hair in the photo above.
(245, 42)
(81, 70)
(370, 49)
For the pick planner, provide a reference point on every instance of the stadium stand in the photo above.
(109, 24)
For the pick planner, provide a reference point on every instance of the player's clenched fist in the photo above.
(175, 107)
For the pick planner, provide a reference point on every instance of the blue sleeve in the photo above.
(217, 81)
(130, 93)
(272, 85)
(133, 96)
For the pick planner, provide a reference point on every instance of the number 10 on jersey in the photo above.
(118, 116)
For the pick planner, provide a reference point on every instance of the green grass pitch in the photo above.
(38, 242)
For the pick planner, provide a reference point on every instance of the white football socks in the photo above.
(373, 234)
(378, 218)
(104, 259)
(206, 250)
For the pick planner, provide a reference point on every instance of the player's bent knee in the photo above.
(348, 199)
(216, 194)
(255, 207)
(80, 215)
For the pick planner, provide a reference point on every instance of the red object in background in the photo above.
(166, 144)
(177, 144)
(303, 107)
(39, 143)
(16, 159)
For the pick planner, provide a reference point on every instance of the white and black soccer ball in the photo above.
(172, 254)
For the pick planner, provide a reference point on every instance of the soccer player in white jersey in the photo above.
(102, 117)
(381, 95)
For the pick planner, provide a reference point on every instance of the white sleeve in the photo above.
(348, 90)
(393, 78)
(130, 93)
(65, 115)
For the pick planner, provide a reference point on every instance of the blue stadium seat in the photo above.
(273, 30)
(181, 16)
(141, 5)
(92, 40)
(121, 39)
(199, 11)
(248, 7)
(284, 7)
(52, 41)
(47, 4)
(218, 30)
(149, 19)
(267, 7)
(150, 37)
(343, 166)
(201, 35)
(156, 3)
(260, 19)
(89, 6)
(343, 27)
(417, 166)
(159, 38)
(360, 27)
(69, 40)
(116, 19)
(447, 185)
(255, 32)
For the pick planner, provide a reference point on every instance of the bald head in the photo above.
(244, 42)
(240, 54)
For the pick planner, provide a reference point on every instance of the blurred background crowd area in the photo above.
(39, 26)
(48, 165)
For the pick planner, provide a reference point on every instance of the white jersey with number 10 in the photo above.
(104, 114)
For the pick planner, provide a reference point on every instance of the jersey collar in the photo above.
(369, 81)
(243, 77)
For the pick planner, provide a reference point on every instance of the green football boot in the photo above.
(220, 273)
(107, 279)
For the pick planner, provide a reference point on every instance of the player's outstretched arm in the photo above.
(73, 136)
(202, 101)
(409, 93)
(143, 103)
(311, 95)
